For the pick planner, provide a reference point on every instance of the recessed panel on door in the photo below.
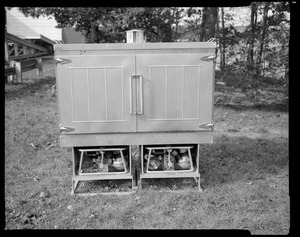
(177, 92)
(94, 93)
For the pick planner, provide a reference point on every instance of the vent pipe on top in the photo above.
(135, 36)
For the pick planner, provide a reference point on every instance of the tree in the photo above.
(209, 23)
(228, 39)
(177, 16)
(108, 24)
(156, 22)
(222, 40)
(194, 22)
(97, 24)
(264, 31)
(253, 23)
(263, 39)
(276, 49)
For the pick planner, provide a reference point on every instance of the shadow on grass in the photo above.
(232, 159)
(276, 107)
(28, 87)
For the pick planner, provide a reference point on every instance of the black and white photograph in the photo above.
(148, 118)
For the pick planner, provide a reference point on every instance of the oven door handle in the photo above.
(140, 100)
(132, 96)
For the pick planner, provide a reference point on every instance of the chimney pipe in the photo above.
(135, 36)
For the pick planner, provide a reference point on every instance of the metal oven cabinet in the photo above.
(135, 94)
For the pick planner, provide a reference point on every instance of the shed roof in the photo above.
(38, 37)
(19, 25)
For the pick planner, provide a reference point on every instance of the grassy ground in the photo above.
(244, 173)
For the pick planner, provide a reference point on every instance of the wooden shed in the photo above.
(41, 28)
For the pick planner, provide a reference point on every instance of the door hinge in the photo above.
(208, 58)
(207, 126)
(62, 60)
(66, 129)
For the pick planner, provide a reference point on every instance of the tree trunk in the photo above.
(93, 33)
(176, 22)
(84, 34)
(253, 28)
(202, 26)
(222, 44)
(263, 35)
(209, 22)
(167, 35)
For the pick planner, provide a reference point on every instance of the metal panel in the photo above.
(177, 92)
(136, 138)
(95, 48)
(124, 88)
(94, 93)
(65, 50)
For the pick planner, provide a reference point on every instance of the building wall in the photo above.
(18, 24)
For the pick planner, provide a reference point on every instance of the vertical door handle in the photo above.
(130, 94)
(132, 97)
(141, 108)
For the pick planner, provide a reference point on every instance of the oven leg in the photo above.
(140, 184)
(197, 180)
(74, 186)
(199, 187)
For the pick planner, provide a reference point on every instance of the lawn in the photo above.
(244, 173)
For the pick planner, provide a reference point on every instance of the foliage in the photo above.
(103, 25)
(237, 76)
(261, 50)
(209, 23)
(97, 24)
(193, 22)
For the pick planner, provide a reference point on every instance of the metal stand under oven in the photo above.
(99, 170)
(163, 170)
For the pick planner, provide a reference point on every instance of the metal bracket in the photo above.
(208, 58)
(62, 60)
(207, 126)
(66, 129)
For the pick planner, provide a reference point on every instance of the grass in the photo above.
(244, 173)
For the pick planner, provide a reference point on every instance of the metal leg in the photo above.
(191, 160)
(130, 162)
(197, 180)
(80, 162)
(142, 160)
(74, 186)
(148, 161)
(199, 187)
(123, 160)
(74, 154)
